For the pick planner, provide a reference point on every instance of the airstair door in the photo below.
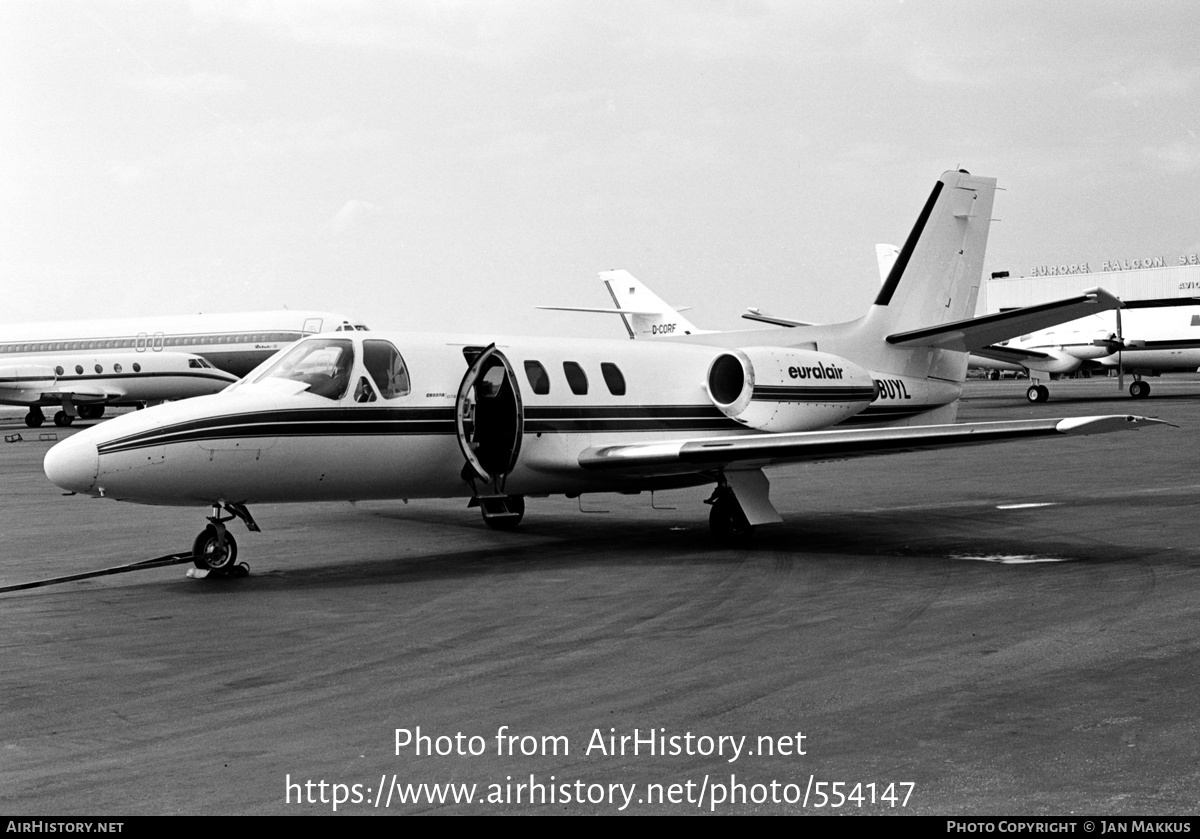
(489, 417)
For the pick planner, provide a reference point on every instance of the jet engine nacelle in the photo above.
(19, 379)
(779, 389)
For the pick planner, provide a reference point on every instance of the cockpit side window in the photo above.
(363, 392)
(321, 363)
(386, 366)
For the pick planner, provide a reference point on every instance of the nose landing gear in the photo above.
(214, 550)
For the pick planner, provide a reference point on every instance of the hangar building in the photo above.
(1148, 278)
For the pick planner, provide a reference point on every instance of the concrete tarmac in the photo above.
(1007, 630)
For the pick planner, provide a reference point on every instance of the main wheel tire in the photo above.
(728, 523)
(1139, 390)
(1038, 393)
(34, 420)
(62, 419)
(207, 554)
(91, 412)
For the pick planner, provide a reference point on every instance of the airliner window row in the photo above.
(193, 363)
(577, 380)
(156, 342)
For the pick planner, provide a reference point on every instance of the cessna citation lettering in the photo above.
(367, 415)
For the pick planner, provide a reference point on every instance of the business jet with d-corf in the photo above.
(368, 415)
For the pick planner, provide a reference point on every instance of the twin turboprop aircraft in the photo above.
(368, 415)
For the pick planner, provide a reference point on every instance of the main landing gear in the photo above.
(727, 520)
(214, 550)
(1139, 389)
(35, 417)
(1037, 393)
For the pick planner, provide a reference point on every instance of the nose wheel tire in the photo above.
(210, 555)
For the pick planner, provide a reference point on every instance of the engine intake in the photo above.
(779, 389)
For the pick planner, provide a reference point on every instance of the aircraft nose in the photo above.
(73, 464)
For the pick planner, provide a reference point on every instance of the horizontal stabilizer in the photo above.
(596, 310)
(974, 334)
(810, 446)
(762, 317)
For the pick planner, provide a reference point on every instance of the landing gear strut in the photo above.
(727, 520)
(214, 549)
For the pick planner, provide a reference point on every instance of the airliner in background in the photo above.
(83, 366)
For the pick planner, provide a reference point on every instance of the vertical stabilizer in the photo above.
(935, 277)
(649, 315)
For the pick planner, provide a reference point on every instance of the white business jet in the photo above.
(82, 366)
(367, 415)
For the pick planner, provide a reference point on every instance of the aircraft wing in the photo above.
(81, 394)
(756, 450)
(974, 334)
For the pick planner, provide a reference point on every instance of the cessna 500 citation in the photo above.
(367, 415)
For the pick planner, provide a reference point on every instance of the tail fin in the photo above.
(885, 255)
(935, 277)
(649, 315)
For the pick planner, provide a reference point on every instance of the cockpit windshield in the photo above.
(321, 363)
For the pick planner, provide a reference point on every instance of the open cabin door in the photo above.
(489, 418)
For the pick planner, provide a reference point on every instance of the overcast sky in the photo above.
(445, 165)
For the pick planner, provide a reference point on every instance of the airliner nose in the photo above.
(73, 464)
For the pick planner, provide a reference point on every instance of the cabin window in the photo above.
(1195, 320)
(386, 366)
(117, 368)
(78, 369)
(137, 368)
(99, 368)
(539, 379)
(58, 371)
(576, 378)
(613, 378)
(323, 364)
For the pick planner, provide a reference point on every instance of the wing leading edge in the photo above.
(753, 450)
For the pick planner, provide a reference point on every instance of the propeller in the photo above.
(1120, 353)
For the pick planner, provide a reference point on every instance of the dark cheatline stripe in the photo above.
(783, 393)
(615, 418)
(1166, 345)
(906, 252)
(321, 422)
(128, 375)
(886, 413)
(301, 423)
